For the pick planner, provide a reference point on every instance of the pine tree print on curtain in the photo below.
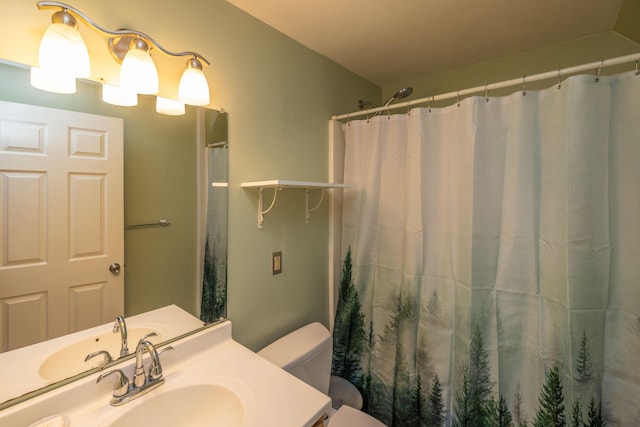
(551, 410)
(212, 304)
(348, 333)
(476, 404)
(403, 402)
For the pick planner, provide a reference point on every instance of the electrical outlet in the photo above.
(276, 262)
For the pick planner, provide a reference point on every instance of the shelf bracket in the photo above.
(260, 204)
(279, 184)
(307, 210)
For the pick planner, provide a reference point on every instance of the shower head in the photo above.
(402, 93)
(366, 104)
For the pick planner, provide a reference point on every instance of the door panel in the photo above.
(61, 222)
(86, 212)
(23, 218)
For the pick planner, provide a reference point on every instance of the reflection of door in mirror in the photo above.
(61, 222)
(214, 283)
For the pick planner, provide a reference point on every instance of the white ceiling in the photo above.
(388, 41)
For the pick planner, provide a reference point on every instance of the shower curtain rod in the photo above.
(557, 74)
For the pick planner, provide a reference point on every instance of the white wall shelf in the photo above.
(279, 184)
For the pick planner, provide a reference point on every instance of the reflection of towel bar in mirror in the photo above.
(278, 185)
(163, 222)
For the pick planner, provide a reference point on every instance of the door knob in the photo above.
(115, 268)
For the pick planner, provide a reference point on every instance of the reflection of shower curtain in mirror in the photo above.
(492, 259)
(214, 283)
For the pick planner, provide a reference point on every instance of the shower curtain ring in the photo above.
(486, 92)
(637, 68)
(559, 81)
(431, 102)
(458, 97)
(599, 70)
(524, 85)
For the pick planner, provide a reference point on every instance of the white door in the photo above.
(61, 222)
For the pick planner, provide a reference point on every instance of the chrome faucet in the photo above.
(121, 326)
(139, 377)
(107, 358)
(141, 383)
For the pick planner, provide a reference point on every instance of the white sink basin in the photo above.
(210, 380)
(199, 405)
(69, 360)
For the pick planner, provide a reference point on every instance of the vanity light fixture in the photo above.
(193, 89)
(117, 95)
(138, 71)
(51, 81)
(62, 49)
(169, 106)
(131, 48)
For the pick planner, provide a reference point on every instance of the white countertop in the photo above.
(269, 395)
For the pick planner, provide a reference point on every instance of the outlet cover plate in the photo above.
(276, 263)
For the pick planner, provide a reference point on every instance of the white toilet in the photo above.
(306, 353)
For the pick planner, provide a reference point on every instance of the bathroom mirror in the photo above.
(175, 167)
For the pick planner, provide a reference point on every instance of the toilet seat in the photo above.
(347, 416)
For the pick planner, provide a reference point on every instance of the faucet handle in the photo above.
(107, 357)
(163, 349)
(121, 385)
(155, 370)
(146, 337)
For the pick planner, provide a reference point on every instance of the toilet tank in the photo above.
(305, 353)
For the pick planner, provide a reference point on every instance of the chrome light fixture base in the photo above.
(119, 46)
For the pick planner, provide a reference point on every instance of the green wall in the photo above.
(548, 58)
(280, 98)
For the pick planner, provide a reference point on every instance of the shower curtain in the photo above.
(213, 298)
(491, 259)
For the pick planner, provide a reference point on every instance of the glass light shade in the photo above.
(116, 95)
(52, 81)
(138, 73)
(169, 106)
(193, 88)
(62, 50)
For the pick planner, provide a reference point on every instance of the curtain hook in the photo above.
(431, 102)
(458, 98)
(368, 116)
(637, 68)
(486, 92)
(524, 85)
(599, 70)
(559, 81)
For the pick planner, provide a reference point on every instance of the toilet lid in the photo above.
(347, 416)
